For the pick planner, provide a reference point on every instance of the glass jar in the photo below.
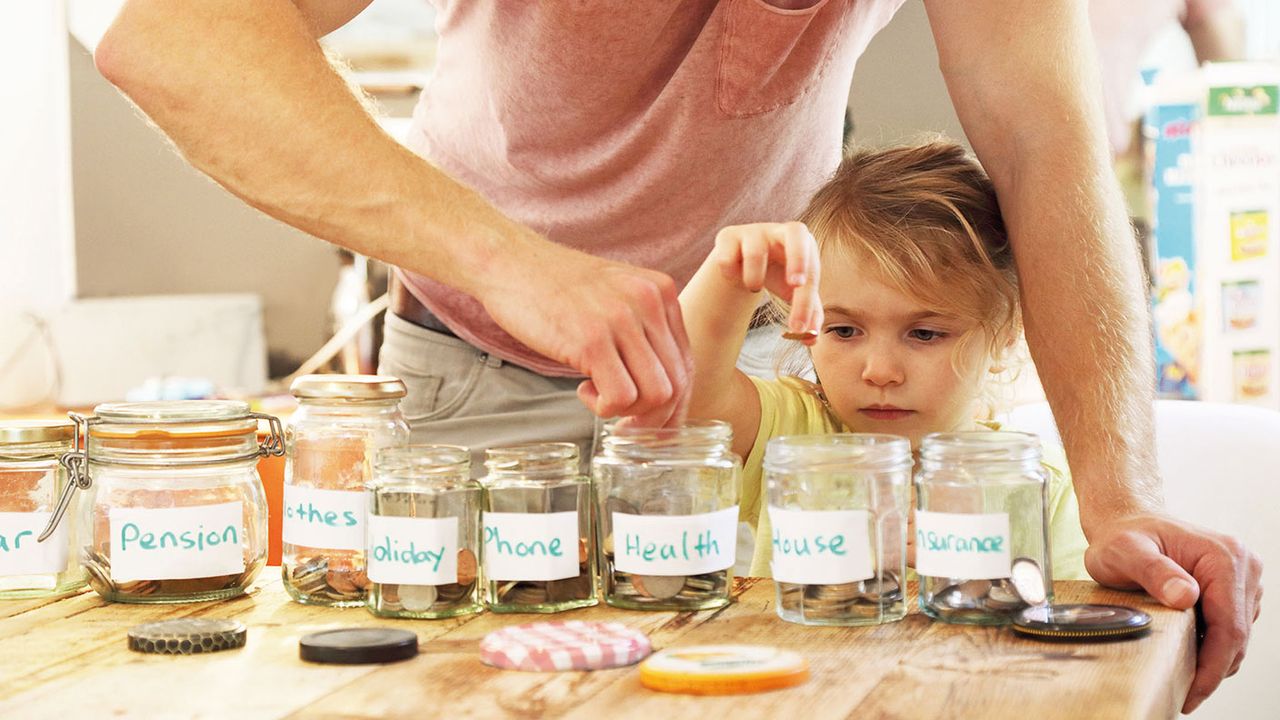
(667, 515)
(341, 423)
(31, 480)
(424, 533)
(838, 508)
(982, 502)
(173, 509)
(538, 553)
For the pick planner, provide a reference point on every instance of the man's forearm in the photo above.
(246, 94)
(1024, 80)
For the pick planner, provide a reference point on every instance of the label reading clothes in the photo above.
(330, 519)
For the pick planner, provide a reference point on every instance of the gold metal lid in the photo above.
(348, 387)
(22, 432)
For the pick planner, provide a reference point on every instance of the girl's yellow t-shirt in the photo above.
(788, 409)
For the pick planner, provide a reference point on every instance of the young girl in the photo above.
(914, 312)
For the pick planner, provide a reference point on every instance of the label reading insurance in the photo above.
(962, 545)
(332, 519)
(20, 554)
(531, 546)
(820, 547)
(413, 551)
(175, 543)
(675, 544)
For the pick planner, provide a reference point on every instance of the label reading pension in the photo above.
(332, 519)
(177, 543)
(820, 547)
(675, 544)
(531, 546)
(20, 554)
(962, 545)
(413, 551)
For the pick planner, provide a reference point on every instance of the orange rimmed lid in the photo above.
(723, 669)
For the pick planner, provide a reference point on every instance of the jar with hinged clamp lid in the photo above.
(31, 480)
(173, 509)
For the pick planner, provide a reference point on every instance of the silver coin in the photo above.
(1028, 581)
(885, 589)
(417, 598)
(660, 587)
(1002, 597)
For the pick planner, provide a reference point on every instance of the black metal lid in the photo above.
(187, 636)
(357, 646)
(1081, 622)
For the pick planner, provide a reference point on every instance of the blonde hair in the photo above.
(926, 219)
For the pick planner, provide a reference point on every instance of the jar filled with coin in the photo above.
(667, 515)
(538, 554)
(31, 480)
(341, 423)
(424, 533)
(837, 515)
(173, 508)
(981, 504)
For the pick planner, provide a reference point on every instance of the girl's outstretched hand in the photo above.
(781, 258)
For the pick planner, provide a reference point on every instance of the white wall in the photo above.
(37, 263)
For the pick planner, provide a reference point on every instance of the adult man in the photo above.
(634, 131)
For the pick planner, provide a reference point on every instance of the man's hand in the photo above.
(617, 324)
(1178, 564)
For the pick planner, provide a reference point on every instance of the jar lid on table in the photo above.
(350, 388)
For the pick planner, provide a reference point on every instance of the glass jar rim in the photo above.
(348, 388)
(693, 431)
(425, 460)
(37, 432)
(532, 460)
(838, 451)
(981, 446)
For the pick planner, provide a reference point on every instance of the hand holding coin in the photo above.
(781, 258)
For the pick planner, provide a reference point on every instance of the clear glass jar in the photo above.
(538, 550)
(838, 508)
(982, 501)
(173, 508)
(31, 481)
(424, 533)
(341, 423)
(667, 515)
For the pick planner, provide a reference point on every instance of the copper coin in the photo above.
(659, 587)
(582, 550)
(466, 567)
(803, 335)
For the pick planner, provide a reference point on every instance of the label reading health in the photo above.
(675, 544)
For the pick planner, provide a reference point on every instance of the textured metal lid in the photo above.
(1081, 622)
(187, 636)
(21, 432)
(348, 387)
(358, 646)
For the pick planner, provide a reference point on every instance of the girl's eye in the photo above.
(844, 332)
(926, 335)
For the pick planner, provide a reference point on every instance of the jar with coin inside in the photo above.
(424, 533)
(837, 513)
(341, 423)
(31, 480)
(667, 515)
(173, 508)
(981, 504)
(538, 553)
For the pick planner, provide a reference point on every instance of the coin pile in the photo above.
(98, 566)
(969, 596)
(533, 593)
(432, 598)
(332, 577)
(837, 599)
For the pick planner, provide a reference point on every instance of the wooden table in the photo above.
(66, 658)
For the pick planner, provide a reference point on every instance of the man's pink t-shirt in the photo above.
(635, 130)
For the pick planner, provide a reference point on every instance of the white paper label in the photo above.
(675, 544)
(531, 546)
(175, 543)
(962, 545)
(413, 551)
(331, 519)
(20, 554)
(820, 547)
